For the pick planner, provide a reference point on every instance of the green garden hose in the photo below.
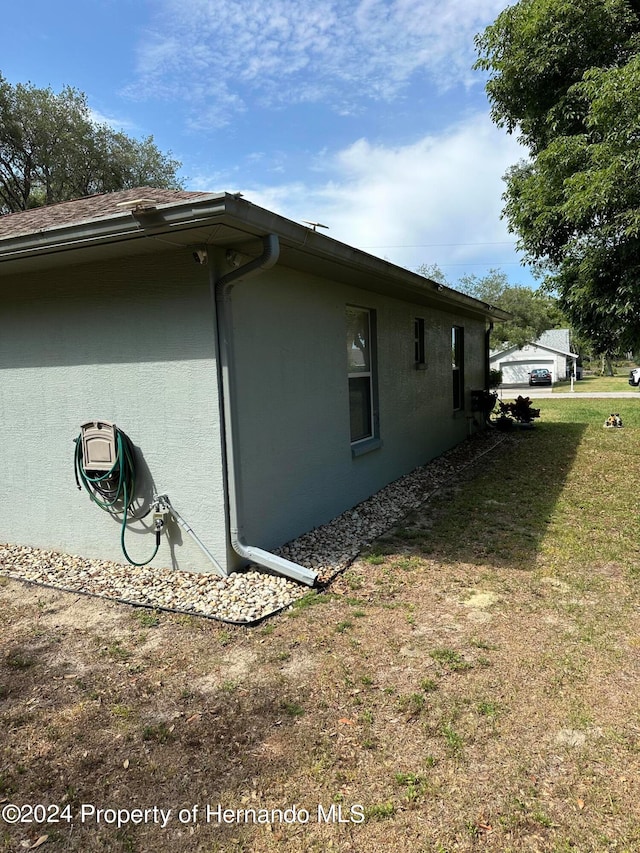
(114, 490)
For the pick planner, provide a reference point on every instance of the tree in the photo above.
(433, 272)
(51, 150)
(565, 74)
(533, 311)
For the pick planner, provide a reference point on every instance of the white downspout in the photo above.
(221, 294)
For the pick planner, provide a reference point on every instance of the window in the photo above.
(419, 346)
(361, 367)
(457, 365)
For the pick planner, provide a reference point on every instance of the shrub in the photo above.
(519, 410)
(495, 378)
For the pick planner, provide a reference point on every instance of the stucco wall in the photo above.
(131, 342)
(297, 469)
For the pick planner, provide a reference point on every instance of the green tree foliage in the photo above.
(533, 311)
(433, 272)
(565, 74)
(51, 150)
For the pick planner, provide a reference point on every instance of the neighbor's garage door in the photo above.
(517, 372)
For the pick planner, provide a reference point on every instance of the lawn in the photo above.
(469, 684)
(598, 384)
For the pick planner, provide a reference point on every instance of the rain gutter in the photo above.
(112, 228)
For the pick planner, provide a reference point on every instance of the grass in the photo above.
(450, 659)
(17, 659)
(453, 739)
(413, 704)
(488, 701)
(292, 709)
(488, 709)
(147, 618)
(598, 384)
(158, 732)
(117, 651)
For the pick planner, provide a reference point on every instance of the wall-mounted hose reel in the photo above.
(105, 466)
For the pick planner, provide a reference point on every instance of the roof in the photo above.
(554, 340)
(147, 220)
(557, 339)
(87, 209)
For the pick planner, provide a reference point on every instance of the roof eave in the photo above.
(248, 221)
(126, 224)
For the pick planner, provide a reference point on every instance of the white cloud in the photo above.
(117, 124)
(224, 52)
(437, 200)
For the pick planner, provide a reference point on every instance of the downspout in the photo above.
(487, 355)
(221, 292)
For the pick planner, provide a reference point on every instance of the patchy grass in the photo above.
(450, 659)
(479, 694)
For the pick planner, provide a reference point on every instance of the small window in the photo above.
(457, 366)
(419, 346)
(361, 367)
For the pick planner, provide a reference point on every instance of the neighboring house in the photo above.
(268, 376)
(552, 350)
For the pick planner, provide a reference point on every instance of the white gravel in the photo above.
(251, 595)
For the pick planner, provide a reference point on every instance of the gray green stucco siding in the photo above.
(133, 341)
(296, 465)
(130, 341)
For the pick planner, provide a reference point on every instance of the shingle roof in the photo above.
(555, 339)
(85, 209)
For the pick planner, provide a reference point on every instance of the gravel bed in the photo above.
(329, 549)
(251, 595)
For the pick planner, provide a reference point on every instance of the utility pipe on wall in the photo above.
(487, 356)
(163, 503)
(221, 295)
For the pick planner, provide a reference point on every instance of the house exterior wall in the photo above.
(296, 466)
(129, 341)
(133, 341)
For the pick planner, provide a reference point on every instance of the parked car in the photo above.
(540, 376)
(634, 377)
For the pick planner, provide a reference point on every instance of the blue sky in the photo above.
(364, 115)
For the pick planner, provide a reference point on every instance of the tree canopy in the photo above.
(533, 311)
(565, 75)
(52, 150)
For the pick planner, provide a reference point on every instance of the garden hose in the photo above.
(114, 490)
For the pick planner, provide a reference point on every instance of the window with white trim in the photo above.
(362, 370)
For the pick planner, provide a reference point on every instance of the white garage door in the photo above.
(517, 372)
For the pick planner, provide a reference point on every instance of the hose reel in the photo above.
(104, 462)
